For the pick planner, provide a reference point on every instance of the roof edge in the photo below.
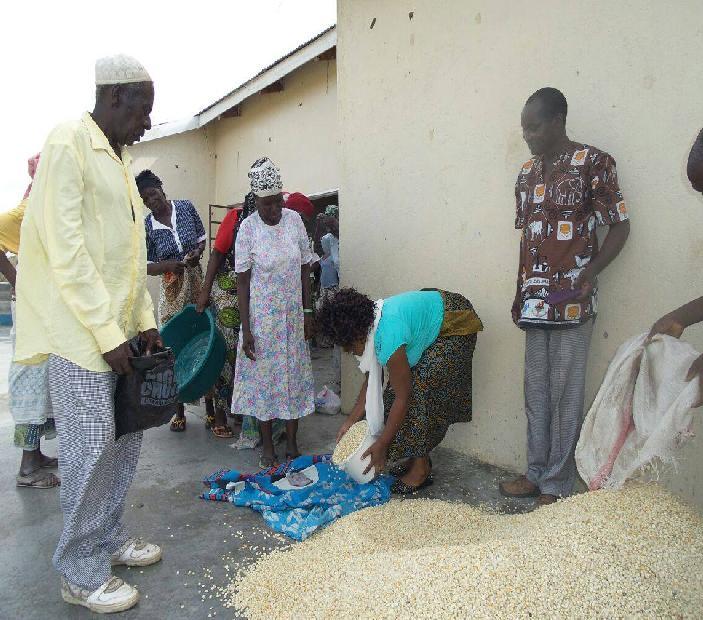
(284, 66)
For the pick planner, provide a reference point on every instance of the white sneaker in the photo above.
(113, 596)
(136, 552)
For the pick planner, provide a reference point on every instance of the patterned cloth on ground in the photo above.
(294, 511)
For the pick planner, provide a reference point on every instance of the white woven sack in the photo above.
(641, 413)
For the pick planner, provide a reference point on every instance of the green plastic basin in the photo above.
(200, 351)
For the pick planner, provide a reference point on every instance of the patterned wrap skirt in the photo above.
(225, 306)
(29, 402)
(441, 383)
(177, 291)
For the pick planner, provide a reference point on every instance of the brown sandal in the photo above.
(178, 425)
(223, 432)
(38, 480)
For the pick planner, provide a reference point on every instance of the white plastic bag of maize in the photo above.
(328, 402)
(641, 413)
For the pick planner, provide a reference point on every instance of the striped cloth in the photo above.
(555, 377)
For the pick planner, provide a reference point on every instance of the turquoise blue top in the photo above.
(411, 319)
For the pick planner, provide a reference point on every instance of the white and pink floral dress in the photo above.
(279, 384)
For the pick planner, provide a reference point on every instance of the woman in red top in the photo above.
(220, 291)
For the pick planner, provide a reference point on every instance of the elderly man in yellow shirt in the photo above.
(28, 385)
(81, 295)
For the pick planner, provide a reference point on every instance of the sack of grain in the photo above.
(642, 411)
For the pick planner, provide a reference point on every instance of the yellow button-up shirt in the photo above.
(81, 291)
(10, 222)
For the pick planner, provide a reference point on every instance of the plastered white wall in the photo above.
(296, 128)
(430, 145)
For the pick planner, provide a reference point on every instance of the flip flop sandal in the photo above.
(38, 480)
(178, 425)
(50, 464)
(400, 488)
(223, 432)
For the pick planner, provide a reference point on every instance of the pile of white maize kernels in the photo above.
(633, 553)
(350, 442)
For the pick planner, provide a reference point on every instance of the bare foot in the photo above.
(418, 471)
(47, 462)
(520, 487)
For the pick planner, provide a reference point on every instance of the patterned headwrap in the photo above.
(265, 178)
(332, 211)
(32, 164)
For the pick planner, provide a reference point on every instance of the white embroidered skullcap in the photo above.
(119, 69)
(265, 178)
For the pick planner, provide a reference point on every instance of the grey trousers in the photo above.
(96, 471)
(555, 377)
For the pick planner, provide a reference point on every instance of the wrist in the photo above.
(385, 440)
(679, 318)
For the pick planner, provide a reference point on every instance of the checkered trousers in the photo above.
(96, 471)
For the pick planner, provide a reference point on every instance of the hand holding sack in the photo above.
(148, 396)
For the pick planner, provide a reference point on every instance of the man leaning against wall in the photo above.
(81, 295)
(563, 193)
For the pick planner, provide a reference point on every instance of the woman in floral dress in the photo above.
(220, 292)
(273, 377)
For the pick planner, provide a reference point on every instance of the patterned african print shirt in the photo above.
(558, 222)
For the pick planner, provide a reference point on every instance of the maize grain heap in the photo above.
(637, 552)
(350, 442)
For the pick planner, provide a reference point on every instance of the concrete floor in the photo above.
(198, 537)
